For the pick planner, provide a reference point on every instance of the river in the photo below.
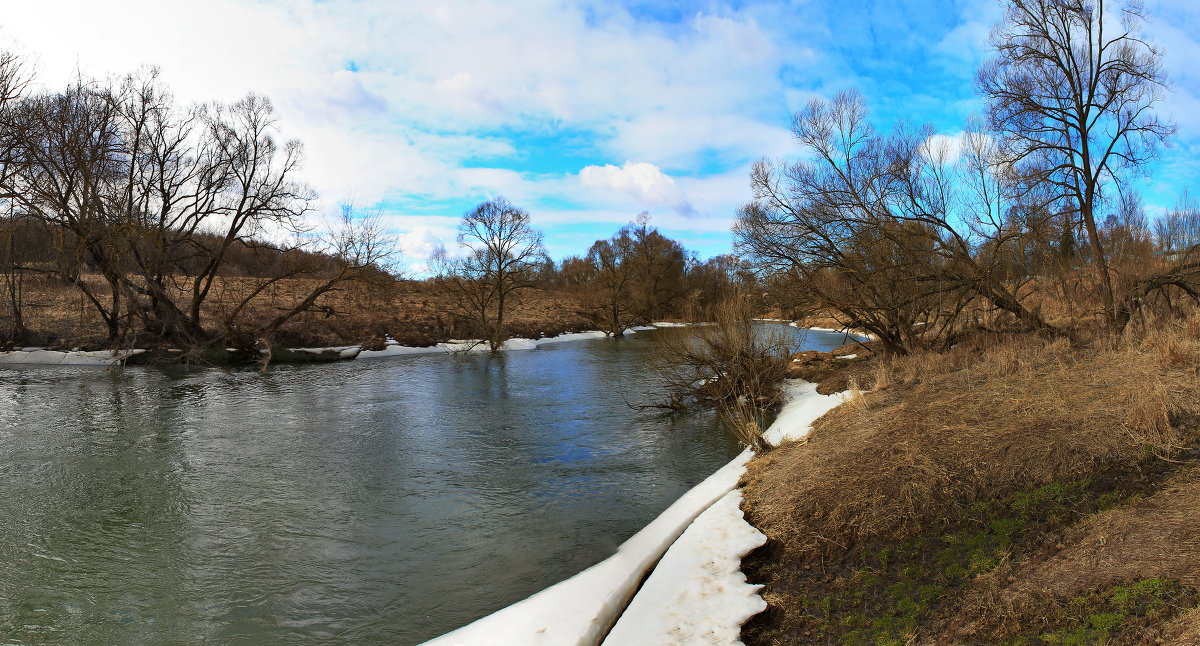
(367, 502)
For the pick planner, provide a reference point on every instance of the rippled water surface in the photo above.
(368, 502)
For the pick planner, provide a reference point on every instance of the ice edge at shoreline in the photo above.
(682, 590)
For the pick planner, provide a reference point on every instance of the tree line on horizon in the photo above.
(150, 210)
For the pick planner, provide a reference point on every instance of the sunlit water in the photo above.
(366, 502)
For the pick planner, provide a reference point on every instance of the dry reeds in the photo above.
(731, 364)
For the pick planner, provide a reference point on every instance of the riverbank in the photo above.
(694, 590)
(1008, 491)
(390, 348)
(414, 313)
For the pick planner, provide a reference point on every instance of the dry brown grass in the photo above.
(941, 431)
(942, 437)
(413, 312)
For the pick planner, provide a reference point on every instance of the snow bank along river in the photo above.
(383, 501)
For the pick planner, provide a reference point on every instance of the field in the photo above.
(412, 312)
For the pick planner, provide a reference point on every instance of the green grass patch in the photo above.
(1112, 614)
(891, 589)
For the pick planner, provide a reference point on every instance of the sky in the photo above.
(583, 113)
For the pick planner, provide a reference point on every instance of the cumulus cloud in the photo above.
(950, 148)
(422, 242)
(642, 181)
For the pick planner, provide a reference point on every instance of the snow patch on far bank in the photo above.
(573, 336)
(43, 356)
(579, 610)
(393, 349)
(803, 405)
(697, 593)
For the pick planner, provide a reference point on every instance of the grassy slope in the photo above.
(1019, 492)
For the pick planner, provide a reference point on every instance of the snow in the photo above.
(344, 351)
(803, 405)
(658, 324)
(573, 336)
(72, 358)
(579, 610)
(697, 594)
(821, 329)
(393, 349)
(846, 356)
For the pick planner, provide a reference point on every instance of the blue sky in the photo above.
(584, 113)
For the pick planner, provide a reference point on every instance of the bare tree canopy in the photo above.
(887, 229)
(1071, 94)
(161, 200)
(504, 254)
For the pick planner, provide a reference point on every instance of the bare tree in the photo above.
(354, 250)
(154, 197)
(1071, 95)
(12, 84)
(886, 229)
(68, 145)
(503, 254)
(614, 272)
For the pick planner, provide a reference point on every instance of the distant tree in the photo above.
(1071, 95)
(614, 271)
(576, 273)
(715, 281)
(1178, 230)
(659, 267)
(503, 254)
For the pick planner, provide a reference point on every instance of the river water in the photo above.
(367, 502)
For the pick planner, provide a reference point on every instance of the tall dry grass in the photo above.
(940, 432)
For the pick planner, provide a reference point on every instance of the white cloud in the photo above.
(682, 141)
(946, 148)
(642, 181)
(389, 97)
(423, 242)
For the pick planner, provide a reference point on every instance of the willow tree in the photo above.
(888, 230)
